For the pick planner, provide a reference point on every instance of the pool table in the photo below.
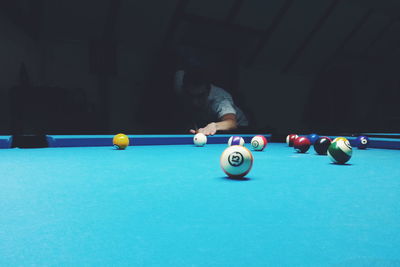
(170, 204)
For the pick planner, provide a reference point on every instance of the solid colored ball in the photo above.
(362, 142)
(121, 141)
(313, 137)
(322, 144)
(259, 142)
(340, 151)
(200, 139)
(236, 141)
(302, 144)
(236, 161)
(290, 139)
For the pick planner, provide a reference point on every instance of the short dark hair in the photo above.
(196, 77)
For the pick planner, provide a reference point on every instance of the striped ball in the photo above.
(259, 142)
(340, 138)
(290, 139)
(236, 161)
(340, 151)
(236, 141)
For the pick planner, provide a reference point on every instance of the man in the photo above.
(210, 106)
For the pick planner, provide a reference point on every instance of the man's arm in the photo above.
(228, 122)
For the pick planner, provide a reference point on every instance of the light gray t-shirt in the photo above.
(220, 102)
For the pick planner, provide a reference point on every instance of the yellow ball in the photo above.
(121, 141)
(340, 138)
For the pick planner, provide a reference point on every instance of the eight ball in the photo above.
(322, 144)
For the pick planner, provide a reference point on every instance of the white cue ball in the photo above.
(200, 139)
(236, 161)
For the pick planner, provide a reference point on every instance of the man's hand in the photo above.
(228, 122)
(210, 129)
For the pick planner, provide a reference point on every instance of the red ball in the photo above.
(302, 144)
(290, 139)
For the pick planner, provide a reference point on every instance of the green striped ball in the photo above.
(340, 151)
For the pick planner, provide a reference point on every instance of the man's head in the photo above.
(196, 86)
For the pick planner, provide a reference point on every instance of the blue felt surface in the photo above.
(172, 206)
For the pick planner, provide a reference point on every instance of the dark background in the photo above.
(107, 66)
